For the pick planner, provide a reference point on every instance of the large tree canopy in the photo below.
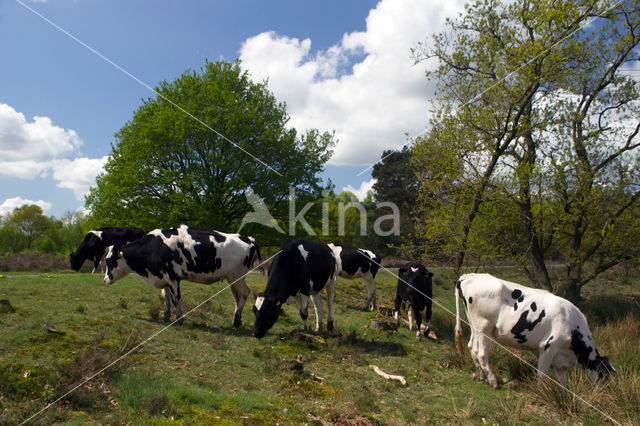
(534, 147)
(167, 167)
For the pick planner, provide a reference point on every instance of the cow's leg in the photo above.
(545, 359)
(472, 345)
(174, 290)
(304, 310)
(427, 317)
(410, 316)
(331, 294)
(559, 372)
(371, 292)
(240, 291)
(166, 294)
(96, 263)
(396, 309)
(483, 347)
(418, 318)
(317, 305)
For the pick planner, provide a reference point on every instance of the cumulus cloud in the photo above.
(40, 149)
(78, 174)
(365, 87)
(27, 147)
(10, 204)
(362, 191)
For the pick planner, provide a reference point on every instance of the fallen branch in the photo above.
(388, 376)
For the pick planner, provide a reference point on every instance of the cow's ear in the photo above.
(429, 274)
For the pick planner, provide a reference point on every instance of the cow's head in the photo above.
(116, 265)
(414, 274)
(266, 310)
(75, 261)
(600, 369)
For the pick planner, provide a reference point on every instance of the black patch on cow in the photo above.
(581, 350)
(218, 262)
(219, 237)
(461, 294)
(470, 300)
(548, 344)
(534, 307)
(516, 294)
(515, 306)
(246, 240)
(524, 324)
(168, 232)
(521, 299)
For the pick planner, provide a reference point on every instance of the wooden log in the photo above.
(388, 376)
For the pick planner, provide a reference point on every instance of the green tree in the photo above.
(167, 168)
(396, 182)
(30, 221)
(530, 109)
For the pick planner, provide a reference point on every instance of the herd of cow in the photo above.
(497, 310)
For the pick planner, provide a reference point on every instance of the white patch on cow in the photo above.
(336, 250)
(303, 252)
(97, 233)
(368, 253)
(414, 269)
(259, 302)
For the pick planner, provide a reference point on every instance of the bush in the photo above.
(33, 262)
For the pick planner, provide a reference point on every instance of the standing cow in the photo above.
(95, 244)
(166, 256)
(303, 267)
(355, 263)
(525, 318)
(415, 290)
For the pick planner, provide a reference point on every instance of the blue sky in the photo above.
(339, 65)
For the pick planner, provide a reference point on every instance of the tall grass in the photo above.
(618, 397)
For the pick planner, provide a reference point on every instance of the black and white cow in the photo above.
(303, 267)
(415, 290)
(166, 256)
(355, 263)
(95, 244)
(526, 318)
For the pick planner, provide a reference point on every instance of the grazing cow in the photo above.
(355, 263)
(415, 289)
(303, 267)
(95, 244)
(166, 256)
(526, 318)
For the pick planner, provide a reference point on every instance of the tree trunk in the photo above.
(569, 290)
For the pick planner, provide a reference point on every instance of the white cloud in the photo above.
(361, 192)
(372, 103)
(26, 147)
(10, 204)
(78, 174)
(40, 149)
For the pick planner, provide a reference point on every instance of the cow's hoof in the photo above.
(237, 323)
(330, 325)
(180, 321)
(166, 319)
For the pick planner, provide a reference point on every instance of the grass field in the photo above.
(207, 372)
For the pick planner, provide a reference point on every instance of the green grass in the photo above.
(208, 372)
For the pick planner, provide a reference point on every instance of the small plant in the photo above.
(123, 303)
(81, 309)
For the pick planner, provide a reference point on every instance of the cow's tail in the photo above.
(258, 259)
(458, 329)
